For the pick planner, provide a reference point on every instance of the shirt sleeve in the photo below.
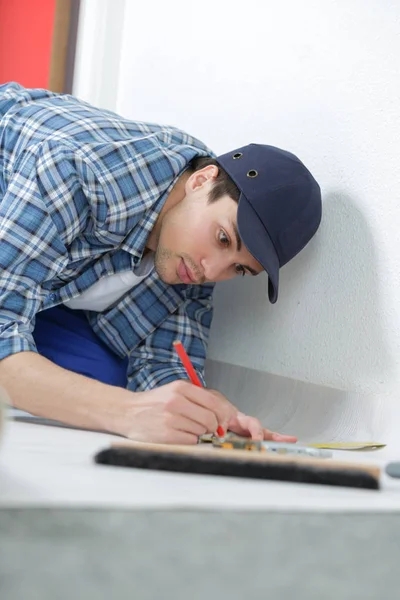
(154, 362)
(43, 209)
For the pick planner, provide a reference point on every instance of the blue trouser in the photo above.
(65, 337)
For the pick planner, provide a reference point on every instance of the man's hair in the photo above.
(223, 184)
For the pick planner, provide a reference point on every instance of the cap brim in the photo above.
(257, 241)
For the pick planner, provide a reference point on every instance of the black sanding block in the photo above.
(238, 463)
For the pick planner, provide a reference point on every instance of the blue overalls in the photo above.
(65, 337)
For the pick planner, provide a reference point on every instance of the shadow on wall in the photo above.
(331, 336)
(346, 325)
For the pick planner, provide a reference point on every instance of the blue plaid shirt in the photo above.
(80, 191)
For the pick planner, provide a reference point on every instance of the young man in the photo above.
(112, 235)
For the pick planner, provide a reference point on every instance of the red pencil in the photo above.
(194, 378)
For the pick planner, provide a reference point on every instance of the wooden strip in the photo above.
(245, 455)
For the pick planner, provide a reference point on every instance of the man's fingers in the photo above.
(246, 426)
(204, 417)
(180, 423)
(273, 436)
(180, 436)
(209, 399)
(254, 428)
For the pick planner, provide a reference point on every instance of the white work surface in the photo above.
(43, 466)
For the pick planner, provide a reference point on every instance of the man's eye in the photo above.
(240, 270)
(224, 240)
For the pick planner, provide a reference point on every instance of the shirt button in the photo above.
(52, 296)
(136, 260)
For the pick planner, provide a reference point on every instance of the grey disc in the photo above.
(393, 469)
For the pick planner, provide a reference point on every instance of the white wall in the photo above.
(319, 78)
(98, 51)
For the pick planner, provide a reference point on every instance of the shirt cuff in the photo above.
(14, 344)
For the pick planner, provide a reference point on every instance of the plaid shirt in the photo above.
(80, 191)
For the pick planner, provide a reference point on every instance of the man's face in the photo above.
(198, 241)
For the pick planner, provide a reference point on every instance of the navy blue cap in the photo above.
(279, 206)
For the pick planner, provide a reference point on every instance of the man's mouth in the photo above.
(185, 274)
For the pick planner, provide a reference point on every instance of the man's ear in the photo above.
(201, 178)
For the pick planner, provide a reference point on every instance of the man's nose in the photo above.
(215, 268)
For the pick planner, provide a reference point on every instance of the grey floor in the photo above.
(63, 554)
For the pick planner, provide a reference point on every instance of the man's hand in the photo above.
(251, 427)
(175, 413)
(180, 412)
